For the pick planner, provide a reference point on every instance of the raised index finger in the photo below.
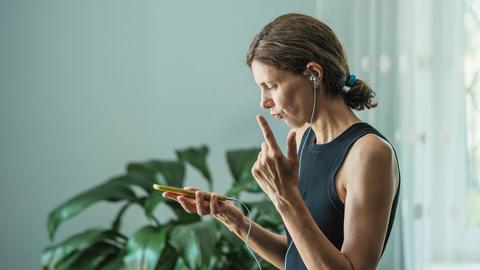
(267, 133)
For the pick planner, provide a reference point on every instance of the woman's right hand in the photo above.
(224, 211)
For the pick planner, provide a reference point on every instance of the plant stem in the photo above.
(155, 220)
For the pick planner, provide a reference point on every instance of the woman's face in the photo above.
(284, 93)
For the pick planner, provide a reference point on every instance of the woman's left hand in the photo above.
(276, 174)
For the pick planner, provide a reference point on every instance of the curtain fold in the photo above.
(411, 53)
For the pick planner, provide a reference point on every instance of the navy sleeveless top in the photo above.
(319, 166)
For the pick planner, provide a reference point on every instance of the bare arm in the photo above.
(371, 173)
(271, 246)
(373, 181)
(268, 245)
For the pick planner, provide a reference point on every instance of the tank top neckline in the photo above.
(316, 147)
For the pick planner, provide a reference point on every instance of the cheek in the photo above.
(281, 101)
(290, 102)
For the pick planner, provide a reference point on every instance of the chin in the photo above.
(292, 125)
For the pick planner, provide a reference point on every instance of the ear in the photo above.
(315, 69)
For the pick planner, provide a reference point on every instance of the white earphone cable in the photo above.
(301, 153)
(249, 229)
(299, 170)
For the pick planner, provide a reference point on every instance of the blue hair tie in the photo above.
(351, 79)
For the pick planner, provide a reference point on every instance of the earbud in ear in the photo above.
(313, 74)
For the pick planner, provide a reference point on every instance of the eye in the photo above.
(270, 87)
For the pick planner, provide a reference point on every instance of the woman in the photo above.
(338, 197)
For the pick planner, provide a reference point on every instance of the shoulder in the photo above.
(372, 147)
(370, 191)
(371, 160)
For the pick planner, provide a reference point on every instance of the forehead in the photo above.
(263, 73)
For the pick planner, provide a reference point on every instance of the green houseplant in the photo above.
(185, 242)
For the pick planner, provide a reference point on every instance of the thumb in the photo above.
(292, 146)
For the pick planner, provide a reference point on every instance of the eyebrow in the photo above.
(264, 83)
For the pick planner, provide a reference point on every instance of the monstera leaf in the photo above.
(197, 157)
(91, 258)
(118, 219)
(145, 247)
(115, 263)
(110, 191)
(173, 172)
(240, 163)
(184, 242)
(182, 216)
(231, 252)
(265, 214)
(134, 179)
(195, 244)
(85, 250)
(163, 172)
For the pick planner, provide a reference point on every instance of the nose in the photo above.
(265, 100)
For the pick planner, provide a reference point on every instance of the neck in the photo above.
(331, 119)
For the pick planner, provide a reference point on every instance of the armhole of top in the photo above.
(304, 131)
(339, 160)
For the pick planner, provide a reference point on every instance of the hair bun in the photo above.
(360, 96)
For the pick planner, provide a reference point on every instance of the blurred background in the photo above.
(87, 86)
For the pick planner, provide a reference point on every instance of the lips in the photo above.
(278, 116)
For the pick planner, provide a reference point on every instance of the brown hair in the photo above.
(292, 40)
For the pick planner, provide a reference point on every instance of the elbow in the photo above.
(349, 264)
(364, 265)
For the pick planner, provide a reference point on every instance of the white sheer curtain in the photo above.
(411, 53)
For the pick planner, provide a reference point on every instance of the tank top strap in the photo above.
(355, 132)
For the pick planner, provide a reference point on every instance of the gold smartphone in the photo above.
(184, 192)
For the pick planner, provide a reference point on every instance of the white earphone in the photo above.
(313, 79)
